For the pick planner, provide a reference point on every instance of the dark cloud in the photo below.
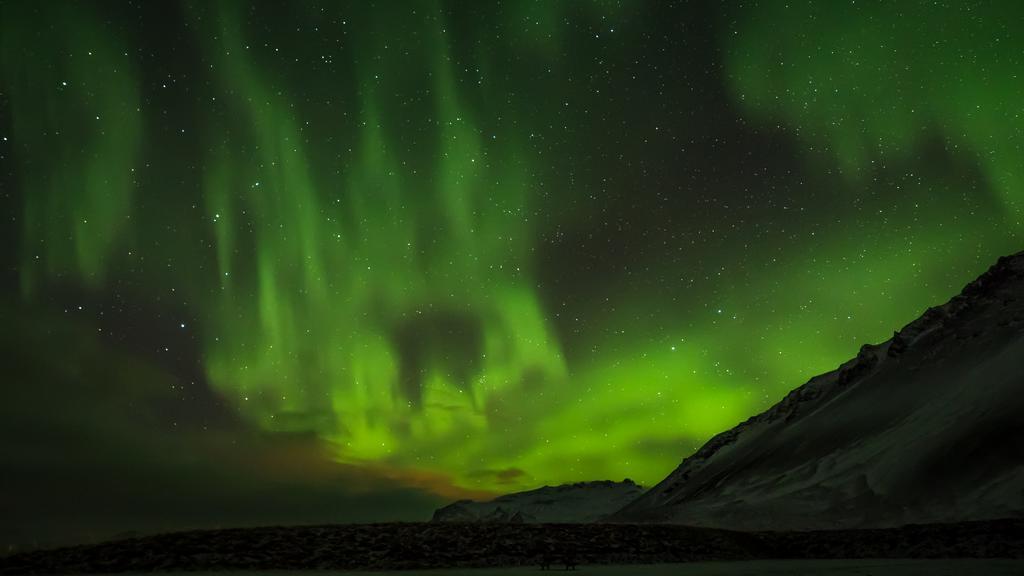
(447, 341)
(505, 476)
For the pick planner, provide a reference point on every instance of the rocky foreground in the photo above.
(444, 545)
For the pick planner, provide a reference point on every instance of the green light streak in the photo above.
(75, 111)
(384, 320)
(873, 82)
(373, 193)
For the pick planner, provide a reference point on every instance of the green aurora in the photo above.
(496, 247)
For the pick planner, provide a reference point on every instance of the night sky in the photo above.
(332, 261)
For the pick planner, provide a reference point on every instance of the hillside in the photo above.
(925, 427)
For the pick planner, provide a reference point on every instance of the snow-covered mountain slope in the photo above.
(578, 503)
(928, 426)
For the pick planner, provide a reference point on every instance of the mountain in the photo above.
(577, 503)
(925, 427)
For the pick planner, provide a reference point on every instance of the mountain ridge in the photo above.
(717, 485)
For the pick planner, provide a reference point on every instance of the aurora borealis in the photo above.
(352, 250)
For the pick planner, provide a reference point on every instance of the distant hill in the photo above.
(577, 503)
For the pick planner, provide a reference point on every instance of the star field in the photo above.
(479, 248)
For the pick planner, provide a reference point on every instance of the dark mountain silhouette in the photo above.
(925, 427)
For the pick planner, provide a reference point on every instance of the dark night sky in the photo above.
(338, 261)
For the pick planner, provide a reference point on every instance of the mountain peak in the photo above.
(863, 445)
